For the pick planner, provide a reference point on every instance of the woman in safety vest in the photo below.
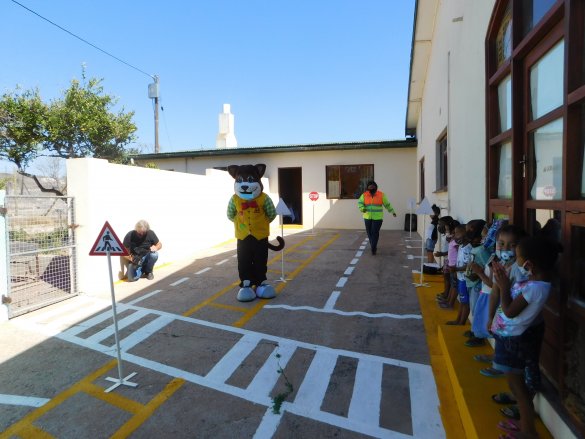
(371, 203)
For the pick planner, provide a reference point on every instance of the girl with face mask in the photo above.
(518, 325)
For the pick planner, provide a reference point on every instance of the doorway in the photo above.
(290, 189)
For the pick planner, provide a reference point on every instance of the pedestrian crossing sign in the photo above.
(108, 242)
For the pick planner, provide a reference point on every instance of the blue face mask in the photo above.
(505, 255)
(524, 271)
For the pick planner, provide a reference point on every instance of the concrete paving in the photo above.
(340, 352)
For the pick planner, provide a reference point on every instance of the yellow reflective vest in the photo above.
(250, 217)
(373, 206)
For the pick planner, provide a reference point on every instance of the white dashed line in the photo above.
(341, 282)
(222, 262)
(363, 247)
(28, 401)
(354, 261)
(359, 254)
(180, 281)
(140, 299)
(349, 270)
(204, 270)
(332, 299)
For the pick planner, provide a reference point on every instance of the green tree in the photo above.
(22, 126)
(82, 124)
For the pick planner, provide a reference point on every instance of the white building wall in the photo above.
(393, 170)
(454, 100)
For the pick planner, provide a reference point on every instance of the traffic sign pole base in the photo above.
(121, 382)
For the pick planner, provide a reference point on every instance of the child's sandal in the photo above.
(491, 372)
(504, 398)
(512, 412)
(509, 426)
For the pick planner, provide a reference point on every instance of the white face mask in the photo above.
(506, 255)
(524, 271)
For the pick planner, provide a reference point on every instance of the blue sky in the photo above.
(294, 72)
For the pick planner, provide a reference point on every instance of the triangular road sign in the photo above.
(282, 208)
(424, 208)
(108, 242)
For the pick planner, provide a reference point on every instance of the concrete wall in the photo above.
(187, 212)
(394, 170)
(454, 100)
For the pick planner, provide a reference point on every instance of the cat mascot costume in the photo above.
(252, 211)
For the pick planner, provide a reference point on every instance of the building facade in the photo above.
(497, 103)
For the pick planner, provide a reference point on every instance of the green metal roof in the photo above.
(377, 144)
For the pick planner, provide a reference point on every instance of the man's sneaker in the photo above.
(150, 276)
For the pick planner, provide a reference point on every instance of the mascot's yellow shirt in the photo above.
(250, 218)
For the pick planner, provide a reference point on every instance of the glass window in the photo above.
(546, 81)
(442, 163)
(546, 161)
(534, 10)
(504, 37)
(505, 171)
(348, 181)
(545, 222)
(505, 103)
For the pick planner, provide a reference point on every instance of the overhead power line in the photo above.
(84, 40)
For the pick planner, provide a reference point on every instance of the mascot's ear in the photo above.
(233, 170)
(261, 167)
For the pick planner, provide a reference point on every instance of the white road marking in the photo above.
(266, 378)
(204, 270)
(28, 401)
(359, 254)
(222, 262)
(109, 330)
(332, 300)
(354, 261)
(341, 282)
(312, 390)
(345, 313)
(349, 270)
(180, 281)
(230, 361)
(146, 296)
(363, 247)
(424, 400)
(269, 424)
(367, 393)
(144, 332)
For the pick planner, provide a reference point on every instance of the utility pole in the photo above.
(153, 94)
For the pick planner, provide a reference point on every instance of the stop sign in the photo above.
(313, 196)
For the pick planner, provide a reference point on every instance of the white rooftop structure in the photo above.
(226, 137)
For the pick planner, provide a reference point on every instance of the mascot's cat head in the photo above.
(248, 185)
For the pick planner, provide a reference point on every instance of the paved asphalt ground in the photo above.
(340, 352)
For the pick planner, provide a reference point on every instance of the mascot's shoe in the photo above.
(265, 291)
(246, 293)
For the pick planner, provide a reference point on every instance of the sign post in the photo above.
(108, 244)
(282, 210)
(424, 209)
(313, 196)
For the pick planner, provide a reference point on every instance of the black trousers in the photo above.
(252, 260)
(373, 231)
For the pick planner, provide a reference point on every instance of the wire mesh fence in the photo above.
(41, 251)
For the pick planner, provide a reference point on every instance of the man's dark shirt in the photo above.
(140, 245)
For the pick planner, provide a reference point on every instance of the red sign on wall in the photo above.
(313, 196)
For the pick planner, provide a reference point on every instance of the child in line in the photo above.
(444, 228)
(506, 241)
(452, 249)
(431, 234)
(518, 326)
(463, 257)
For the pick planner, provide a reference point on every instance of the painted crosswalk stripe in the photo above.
(232, 360)
(143, 333)
(312, 391)
(268, 375)
(367, 393)
(141, 298)
(180, 281)
(126, 321)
